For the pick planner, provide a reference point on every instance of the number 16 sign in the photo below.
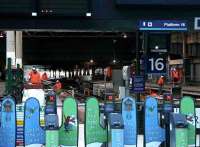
(156, 63)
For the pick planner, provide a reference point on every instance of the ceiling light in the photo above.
(1, 35)
(124, 35)
(156, 47)
(34, 13)
(91, 61)
(88, 14)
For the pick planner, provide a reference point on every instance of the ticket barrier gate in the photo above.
(51, 127)
(178, 130)
(115, 130)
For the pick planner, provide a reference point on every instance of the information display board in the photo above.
(162, 25)
(156, 63)
(138, 84)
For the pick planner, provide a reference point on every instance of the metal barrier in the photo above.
(29, 122)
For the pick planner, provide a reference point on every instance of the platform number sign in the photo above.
(156, 63)
(163, 25)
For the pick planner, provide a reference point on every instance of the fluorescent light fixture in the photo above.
(88, 14)
(34, 13)
(67, 74)
(90, 71)
(82, 72)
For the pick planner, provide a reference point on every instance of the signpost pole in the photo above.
(140, 130)
(137, 61)
(184, 54)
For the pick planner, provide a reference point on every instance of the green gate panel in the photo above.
(68, 133)
(52, 138)
(187, 107)
(181, 137)
(94, 133)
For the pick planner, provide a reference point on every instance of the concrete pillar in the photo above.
(19, 48)
(10, 47)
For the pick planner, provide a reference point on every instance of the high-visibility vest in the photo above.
(160, 81)
(175, 74)
(35, 77)
(44, 76)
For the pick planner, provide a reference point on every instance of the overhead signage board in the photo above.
(138, 84)
(156, 63)
(163, 25)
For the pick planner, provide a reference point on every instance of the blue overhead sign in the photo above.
(163, 25)
(138, 84)
(156, 63)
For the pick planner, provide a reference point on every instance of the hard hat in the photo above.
(33, 68)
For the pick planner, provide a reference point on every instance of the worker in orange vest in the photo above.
(175, 75)
(57, 86)
(34, 76)
(44, 76)
(160, 83)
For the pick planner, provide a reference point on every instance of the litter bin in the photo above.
(51, 126)
(115, 130)
(178, 130)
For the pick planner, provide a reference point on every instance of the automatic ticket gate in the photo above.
(115, 130)
(178, 130)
